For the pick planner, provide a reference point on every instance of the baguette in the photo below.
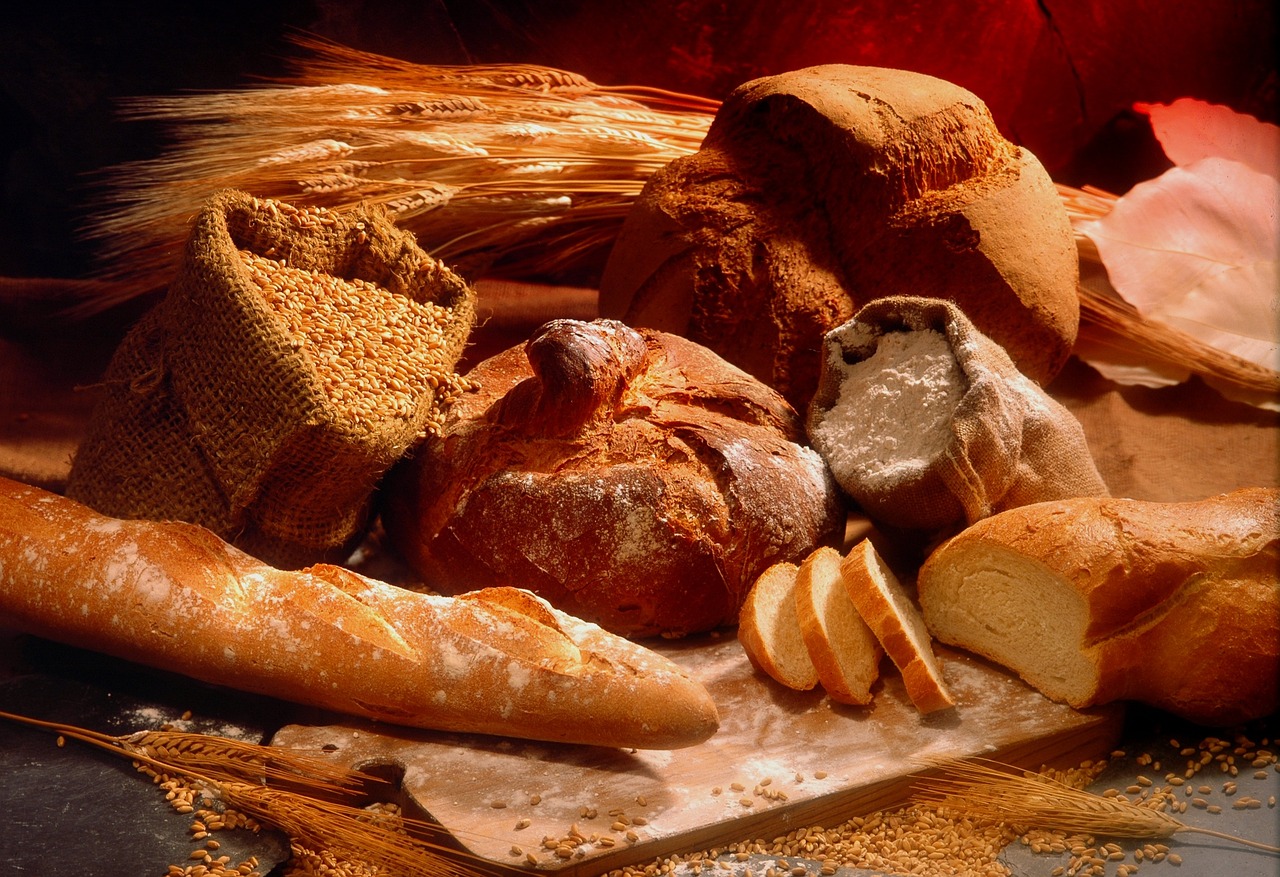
(892, 616)
(1176, 605)
(175, 596)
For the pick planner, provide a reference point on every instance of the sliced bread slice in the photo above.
(843, 649)
(770, 633)
(888, 610)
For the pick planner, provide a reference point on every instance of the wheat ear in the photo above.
(988, 790)
(230, 770)
(509, 169)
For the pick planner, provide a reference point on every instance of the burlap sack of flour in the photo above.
(928, 425)
(297, 355)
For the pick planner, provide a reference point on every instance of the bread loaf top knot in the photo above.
(580, 371)
(819, 190)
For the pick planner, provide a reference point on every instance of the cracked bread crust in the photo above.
(631, 477)
(818, 190)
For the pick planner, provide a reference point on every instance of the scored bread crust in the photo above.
(175, 596)
(892, 616)
(1176, 605)
(844, 651)
(769, 630)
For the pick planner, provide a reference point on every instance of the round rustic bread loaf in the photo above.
(630, 477)
(819, 190)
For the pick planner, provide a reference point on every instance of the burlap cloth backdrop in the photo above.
(210, 412)
(1163, 444)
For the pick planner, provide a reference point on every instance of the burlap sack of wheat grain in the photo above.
(928, 425)
(269, 417)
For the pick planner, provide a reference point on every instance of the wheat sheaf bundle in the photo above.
(298, 793)
(511, 169)
(500, 170)
(986, 790)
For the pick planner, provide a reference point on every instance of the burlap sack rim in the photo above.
(980, 465)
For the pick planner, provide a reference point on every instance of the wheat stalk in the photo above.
(217, 756)
(234, 772)
(988, 790)
(505, 168)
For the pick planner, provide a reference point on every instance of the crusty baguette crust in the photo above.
(175, 596)
(896, 622)
(1180, 602)
(768, 628)
(847, 658)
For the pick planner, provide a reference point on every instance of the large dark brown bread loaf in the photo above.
(818, 190)
(632, 478)
(1093, 600)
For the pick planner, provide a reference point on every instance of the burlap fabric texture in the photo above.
(212, 412)
(1006, 443)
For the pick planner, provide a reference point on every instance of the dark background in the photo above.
(1059, 76)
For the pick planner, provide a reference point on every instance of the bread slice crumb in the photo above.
(890, 613)
(770, 631)
(843, 649)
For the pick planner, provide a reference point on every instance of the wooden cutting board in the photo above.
(781, 760)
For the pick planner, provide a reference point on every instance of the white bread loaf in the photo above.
(769, 629)
(1093, 600)
(888, 610)
(843, 649)
(175, 596)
